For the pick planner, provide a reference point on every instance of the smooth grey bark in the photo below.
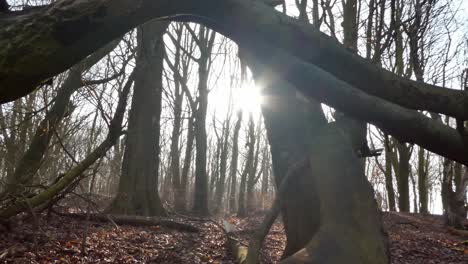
(138, 187)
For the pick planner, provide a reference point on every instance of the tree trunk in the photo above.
(187, 161)
(220, 185)
(423, 187)
(265, 177)
(389, 175)
(403, 176)
(234, 160)
(353, 216)
(311, 211)
(179, 198)
(248, 167)
(252, 177)
(205, 43)
(289, 118)
(138, 187)
(455, 210)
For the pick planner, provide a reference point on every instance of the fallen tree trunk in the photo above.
(30, 162)
(81, 27)
(248, 23)
(134, 220)
(115, 130)
(404, 124)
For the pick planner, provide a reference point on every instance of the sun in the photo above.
(248, 98)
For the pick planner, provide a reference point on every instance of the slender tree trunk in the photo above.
(252, 177)
(187, 161)
(248, 167)
(423, 187)
(389, 175)
(265, 177)
(403, 176)
(179, 201)
(200, 201)
(205, 44)
(234, 161)
(220, 186)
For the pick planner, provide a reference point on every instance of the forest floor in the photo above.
(59, 239)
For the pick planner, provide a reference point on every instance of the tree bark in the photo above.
(249, 161)
(220, 185)
(179, 198)
(353, 217)
(138, 187)
(389, 175)
(455, 210)
(241, 20)
(304, 133)
(200, 201)
(403, 176)
(289, 118)
(247, 23)
(423, 187)
(234, 160)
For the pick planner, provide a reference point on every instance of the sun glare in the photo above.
(248, 98)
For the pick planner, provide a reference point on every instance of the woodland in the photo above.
(234, 131)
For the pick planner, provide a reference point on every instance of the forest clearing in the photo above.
(234, 131)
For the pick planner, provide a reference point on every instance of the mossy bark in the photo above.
(74, 174)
